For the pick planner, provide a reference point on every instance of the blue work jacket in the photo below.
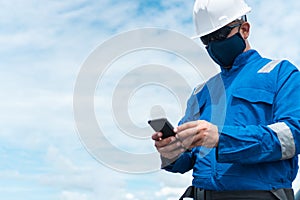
(256, 106)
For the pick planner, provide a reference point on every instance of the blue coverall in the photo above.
(260, 132)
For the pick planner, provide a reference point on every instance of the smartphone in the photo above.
(162, 125)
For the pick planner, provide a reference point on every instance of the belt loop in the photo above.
(193, 192)
(199, 194)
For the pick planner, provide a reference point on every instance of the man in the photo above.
(252, 153)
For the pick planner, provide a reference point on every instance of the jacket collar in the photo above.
(242, 60)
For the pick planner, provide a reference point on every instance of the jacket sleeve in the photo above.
(183, 164)
(279, 140)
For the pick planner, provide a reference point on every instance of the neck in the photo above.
(248, 47)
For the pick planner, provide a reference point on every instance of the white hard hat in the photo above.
(211, 15)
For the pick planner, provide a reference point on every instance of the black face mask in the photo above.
(224, 52)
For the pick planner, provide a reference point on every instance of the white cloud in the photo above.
(60, 162)
(273, 32)
(129, 196)
(168, 192)
(69, 195)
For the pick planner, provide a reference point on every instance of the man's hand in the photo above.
(188, 135)
(169, 148)
(197, 133)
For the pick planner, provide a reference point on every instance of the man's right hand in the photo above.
(169, 148)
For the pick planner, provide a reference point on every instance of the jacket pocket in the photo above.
(252, 106)
(254, 95)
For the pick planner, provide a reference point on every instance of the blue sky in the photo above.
(43, 45)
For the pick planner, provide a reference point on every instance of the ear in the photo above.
(245, 30)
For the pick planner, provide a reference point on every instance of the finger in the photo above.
(200, 124)
(197, 141)
(187, 142)
(185, 126)
(170, 146)
(157, 136)
(186, 133)
(174, 153)
(164, 142)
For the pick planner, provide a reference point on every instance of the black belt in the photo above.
(200, 194)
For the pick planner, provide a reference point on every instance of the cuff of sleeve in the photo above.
(166, 163)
